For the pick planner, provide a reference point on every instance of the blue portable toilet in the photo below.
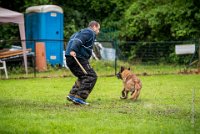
(44, 23)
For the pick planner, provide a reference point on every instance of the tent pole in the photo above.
(23, 41)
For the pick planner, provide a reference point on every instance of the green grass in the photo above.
(39, 106)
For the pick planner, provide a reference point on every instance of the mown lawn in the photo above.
(168, 104)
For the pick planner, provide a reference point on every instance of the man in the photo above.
(80, 46)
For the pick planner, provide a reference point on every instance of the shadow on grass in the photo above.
(30, 104)
(114, 105)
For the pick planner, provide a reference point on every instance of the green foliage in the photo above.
(165, 20)
(8, 32)
(142, 20)
(179, 59)
(29, 3)
(135, 20)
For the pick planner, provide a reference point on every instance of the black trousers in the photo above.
(85, 82)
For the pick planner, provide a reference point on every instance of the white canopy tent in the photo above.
(8, 16)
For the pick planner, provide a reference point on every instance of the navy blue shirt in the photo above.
(82, 43)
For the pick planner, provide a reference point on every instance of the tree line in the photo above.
(124, 20)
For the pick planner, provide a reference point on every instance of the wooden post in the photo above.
(41, 64)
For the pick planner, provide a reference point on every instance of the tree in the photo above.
(138, 20)
(161, 20)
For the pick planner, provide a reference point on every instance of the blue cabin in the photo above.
(45, 24)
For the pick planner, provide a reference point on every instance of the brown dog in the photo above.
(131, 84)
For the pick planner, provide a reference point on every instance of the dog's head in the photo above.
(119, 74)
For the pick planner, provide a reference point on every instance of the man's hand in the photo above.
(72, 53)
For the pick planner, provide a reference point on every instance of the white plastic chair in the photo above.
(4, 68)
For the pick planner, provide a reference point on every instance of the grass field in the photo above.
(168, 104)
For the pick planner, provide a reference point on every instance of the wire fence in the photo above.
(169, 52)
(46, 58)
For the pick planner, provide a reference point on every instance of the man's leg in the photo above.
(87, 82)
(75, 88)
(75, 69)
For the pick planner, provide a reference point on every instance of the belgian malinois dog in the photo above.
(131, 84)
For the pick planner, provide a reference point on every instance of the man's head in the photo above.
(95, 26)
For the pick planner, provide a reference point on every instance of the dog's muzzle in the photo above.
(119, 75)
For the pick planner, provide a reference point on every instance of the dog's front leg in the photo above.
(124, 94)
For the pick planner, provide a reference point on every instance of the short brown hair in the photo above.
(93, 23)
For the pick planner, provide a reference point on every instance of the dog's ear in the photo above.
(129, 68)
(122, 69)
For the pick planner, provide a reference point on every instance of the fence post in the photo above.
(115, 45)
(34, 41)
(199, 57)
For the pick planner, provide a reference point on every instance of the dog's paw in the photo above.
(123, 97)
